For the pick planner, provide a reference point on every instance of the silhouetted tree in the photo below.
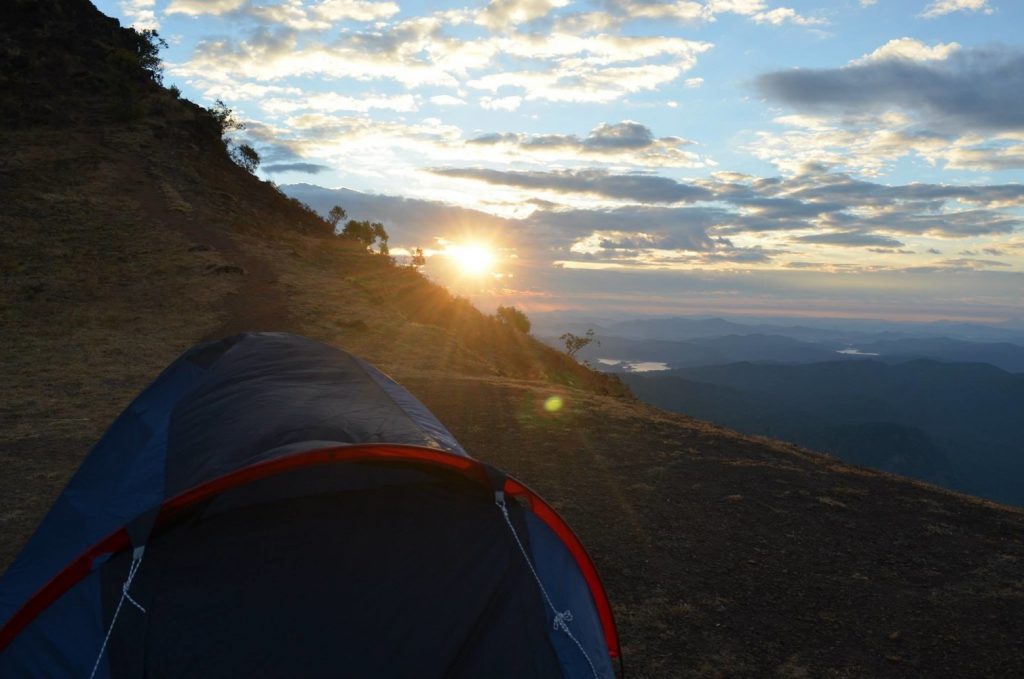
(417, 258)
(335, 216)
(148, 44)
(514, 318)
(246, 156)
(367, 233)
(573, 343)
(381, 235)
(225, 117)
(131, 67)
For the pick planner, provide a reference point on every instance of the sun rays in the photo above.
(470, 259)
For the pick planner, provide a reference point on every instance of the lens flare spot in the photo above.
(553, 404)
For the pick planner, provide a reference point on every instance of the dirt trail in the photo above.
(259, 303)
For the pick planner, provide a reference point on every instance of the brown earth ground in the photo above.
(724, 555)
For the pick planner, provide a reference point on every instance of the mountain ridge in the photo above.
(961, 414)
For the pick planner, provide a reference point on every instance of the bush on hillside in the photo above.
(368, 233)
(513, 318)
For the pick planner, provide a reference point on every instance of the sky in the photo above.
(856, 158)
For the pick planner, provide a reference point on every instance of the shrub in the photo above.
(514, 318)
(573, 343)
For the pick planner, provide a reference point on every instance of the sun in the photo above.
(471, 259)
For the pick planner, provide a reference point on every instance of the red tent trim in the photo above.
(468, 467)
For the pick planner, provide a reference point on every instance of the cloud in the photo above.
(305, 168)
(692, 11)
(959, 108)
(501, 104)
(684, 10)
(626, 141)
(142, 13)
(989, 156)
(595, 68)
(836, 187)
(624, 135)
(960, 264)
(679, 227)
(961, 224)
(417, 52)
(294, 14)
(505, 14)
(198, 7)
(411, 222)
(446, 100)
(838, 209)
(781, 15)
(410, 52)
(909, 49)
(637, 236)
(332, 101)
(851, 239)
(356, 10)
(942, 7)
(979, 89)
(640, 188)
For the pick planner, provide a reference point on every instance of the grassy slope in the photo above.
(723, 554)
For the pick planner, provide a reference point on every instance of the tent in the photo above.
(272, 506)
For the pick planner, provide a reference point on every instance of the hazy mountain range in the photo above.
(923, 400)
(954, 424)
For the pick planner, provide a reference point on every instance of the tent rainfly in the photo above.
(273, 507)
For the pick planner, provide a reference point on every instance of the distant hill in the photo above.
(1009, 357)
(801, 345)
(829, 331)
(958, 425)
(709, 350)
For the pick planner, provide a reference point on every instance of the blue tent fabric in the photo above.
(120, 479)
(257, 397)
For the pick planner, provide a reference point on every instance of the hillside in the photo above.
(129, 235)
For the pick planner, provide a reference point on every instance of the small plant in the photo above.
(573, 343)
(173, 89)
(513, 318)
